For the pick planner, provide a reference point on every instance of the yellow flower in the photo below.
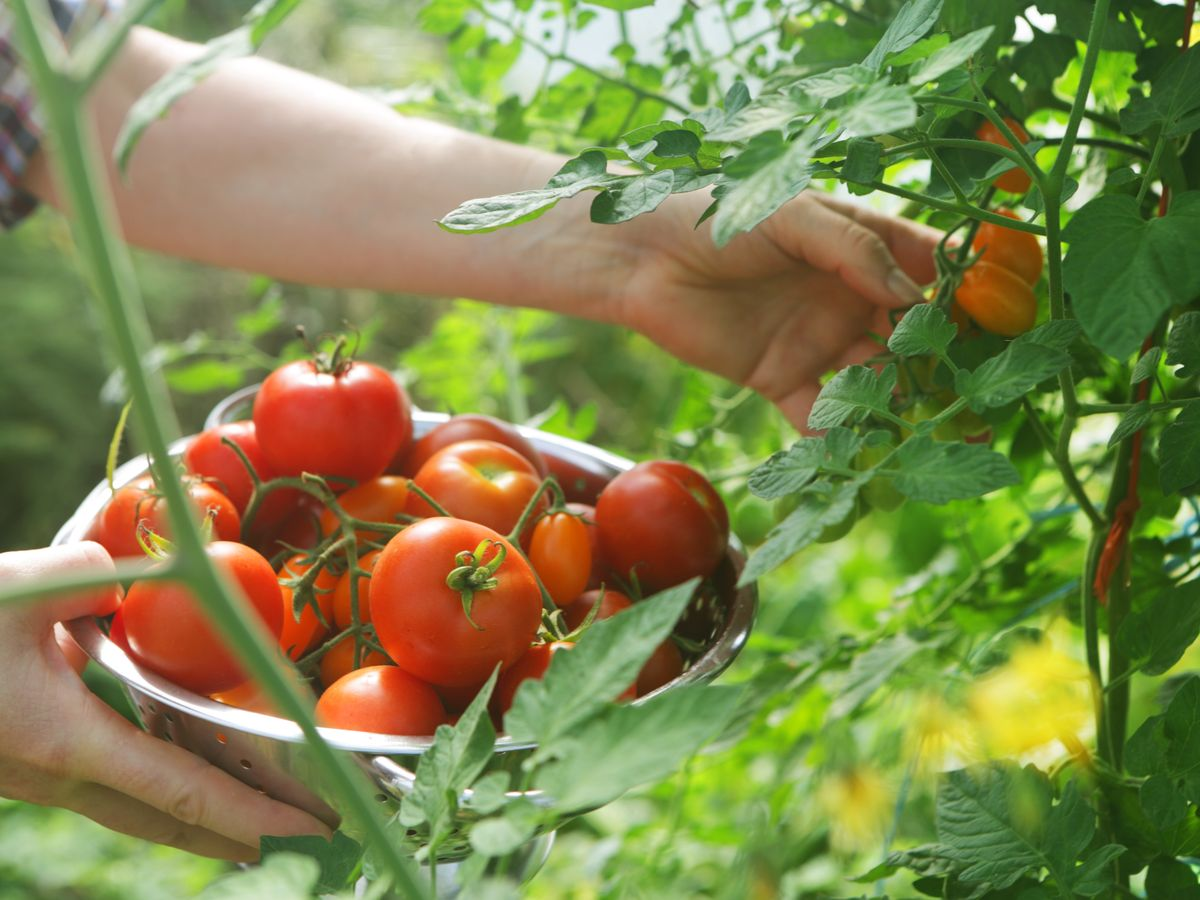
(859, 805)
(940, 736)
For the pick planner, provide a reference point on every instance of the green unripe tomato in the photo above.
(879, 492)
(753, 519)
(839, 530)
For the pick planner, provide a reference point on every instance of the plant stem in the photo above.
(971, 212)
(1151, 168)
(1075, 117)
(1064, 466)
(1095, 409)
(100, 46)
(126, 570)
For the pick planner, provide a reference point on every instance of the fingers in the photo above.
(911, 243)
(181, 785)
(839, 244)
(114, 810)
(82, 558)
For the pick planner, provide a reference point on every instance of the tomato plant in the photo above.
(1017, 251)
(998, 299)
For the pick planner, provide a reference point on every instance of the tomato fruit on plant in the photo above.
(467, 427)
(140, 502)
(169, 633)
(381, 499)
(453, 634)
(997, 299)
(381, 699)
(662, 523)
(1017, 251)
(480, 481)
(561, 554)
(342, 612)
(1015, 181)
(347, 422)
(338, 661)
(753, 520)
(298, 636)
(880, 492)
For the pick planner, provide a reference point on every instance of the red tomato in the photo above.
(300, 528)
(381, 699)
(613, 603)
(561, 554)
(342, 619)
(664, 665)
(338, 661)
(139, 502)
(587, 515)
(250, 696)
(663, 522)
(457, 699)
(347, 423)
(1015, 181)
(420, 618)
(998, 300)
(116, 630)
(298, 637)
(468, 427)
(1017, 251)
(480, 481)
(169, 633)
(381, 499)
(532, 665)
(580, 483)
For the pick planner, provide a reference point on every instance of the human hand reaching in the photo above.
(60, 745)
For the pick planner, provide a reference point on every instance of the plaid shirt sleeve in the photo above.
(20, 124)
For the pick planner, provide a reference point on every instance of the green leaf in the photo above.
(1161, 800)
(1175, 98)
(923, 330)
(1183, 345)
(851, 394)
(607, 659)
(504, 834)
(676, 142)
(1057, 333)
(1146, 367)
(787, 471)
(1124, 272)
(444, 16)
(1042, 60)
(204, 375)
(1135, 419)
(747, 199)
(770, 113)
(338, 858)
(937, 472)
(882, 109)
(636, 744)
(819, 507)
(1179, 451)
(1010, 375)
(1168, 745)
(621, 5)
(632, 196)
(922, 49)
(949, 57)
(911, 23)
(871, 670)
(1172, 878)
(837, 82)
(283, 876)
(488, 793)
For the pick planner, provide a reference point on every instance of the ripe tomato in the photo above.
(381, 499)
(298, 637)
(342, 619)
(561, 554)
(347, 423)
(169, 633)
(300, 528)
(467, 427)
(664, 666)
(1015, 181)
(587, 515)
(338, 661)
(580, 483)
(480, 481)
(420, 618)
(662, 521)
(611, 604)
(665, 663)
(999, 300)
(139, 502)
(381, 699)
(1017, 251)
(250, 695)
(532, 665)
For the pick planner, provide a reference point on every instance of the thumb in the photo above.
(22, 567)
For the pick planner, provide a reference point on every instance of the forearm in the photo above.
(265, 169)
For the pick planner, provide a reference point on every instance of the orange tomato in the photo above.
(301, 635)
(339, 660)
(997, 299)
(378, 500)
(341, 594)
(1015, 181)
(1017, 251)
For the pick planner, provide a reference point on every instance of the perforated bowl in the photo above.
(270, 754)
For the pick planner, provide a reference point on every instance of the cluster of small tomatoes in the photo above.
(398, 574)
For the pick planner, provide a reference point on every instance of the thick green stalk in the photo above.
(111, 272)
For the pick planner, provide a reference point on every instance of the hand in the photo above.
(62, 746)
(779, 307)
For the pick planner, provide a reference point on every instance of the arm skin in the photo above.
(269, 170)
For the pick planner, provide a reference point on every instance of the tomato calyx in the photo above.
(472, 574)
(336, 361)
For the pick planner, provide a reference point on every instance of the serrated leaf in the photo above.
(937, 472)
(630, 745)
(1183, 345)
(1146, 367)
(631, 197)
(841, 446)
(1179, 451)
(1123, 272)
(949, 57)
(1135, 419)
(504, 834)
(1174, 99)
(488, 792)
(923, 330)
(911, 23)
(837, 82)
(1010, 375)
(1161, 800)
(748, 199)
(928, 860)
(1171, 878)
(882, 109)
(816, 511)
(337, 857)
(606, 660)
(1057, 333)
(787, 471)
(922, 49)
(771, 112)
(1168, 745)
(851, 394)
(872, 669)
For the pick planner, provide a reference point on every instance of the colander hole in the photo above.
(382, 798)
(261, 790)
(167, 737)
(152, 708)
(170, 717)
(221, 739)
(245, 763)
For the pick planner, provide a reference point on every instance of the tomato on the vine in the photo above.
(338, 660)
(999, 300)
(169, 633)
(381, 499)
(451, 599)
(140, 502)
(662, 523)
(1017, 251)
(381, 699)
(342, 612)
(298, 636)
(561, 554)
(880, 492)
(480, 481)
(466, 427)
(346, 420)
(1015, 181)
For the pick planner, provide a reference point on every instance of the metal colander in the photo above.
(270, 754)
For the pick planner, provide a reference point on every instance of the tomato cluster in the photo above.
(395, 574)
